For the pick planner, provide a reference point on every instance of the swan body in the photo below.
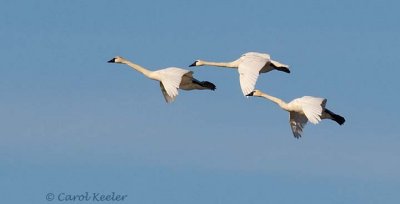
(302, 110)
(171, 79)
(249, 66)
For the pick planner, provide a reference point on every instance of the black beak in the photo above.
(112, 60)
(193, 65)
(251, 94)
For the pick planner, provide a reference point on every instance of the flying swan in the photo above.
(170, 79)
(301, 110)
(249, 65)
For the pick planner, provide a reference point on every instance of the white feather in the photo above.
(249, 68)
(167, 98)
(301, 110)
(170, 78)
(249, 65)
(278, 64)
(312, 108)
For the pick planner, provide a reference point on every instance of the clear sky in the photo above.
(72, 123)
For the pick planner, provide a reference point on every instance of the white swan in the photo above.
(170, 79)
(303, 109)
(249, 65)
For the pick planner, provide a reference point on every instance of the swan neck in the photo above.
(221, 64)
(138, 68)
(278, 101)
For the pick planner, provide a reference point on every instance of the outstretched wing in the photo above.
(297, 122)
(249, 69)
(278, 64)
(170, 80)
(312, 108)
(168, 98)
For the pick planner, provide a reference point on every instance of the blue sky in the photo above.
(72, 123)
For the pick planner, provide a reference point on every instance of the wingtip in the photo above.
(283, 69)
(205, 85)
(341, 120)
(337, 118)
(297, 136)
(209, 85)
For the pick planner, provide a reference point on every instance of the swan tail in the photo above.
(337, 118)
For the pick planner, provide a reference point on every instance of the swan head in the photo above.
(255, 93)
(116, 59)
(197, 63)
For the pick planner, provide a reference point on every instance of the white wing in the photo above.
(278, 64)
(249, 69)
(312, 108)
(168, 98)
(170, 80)
(297, 122)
